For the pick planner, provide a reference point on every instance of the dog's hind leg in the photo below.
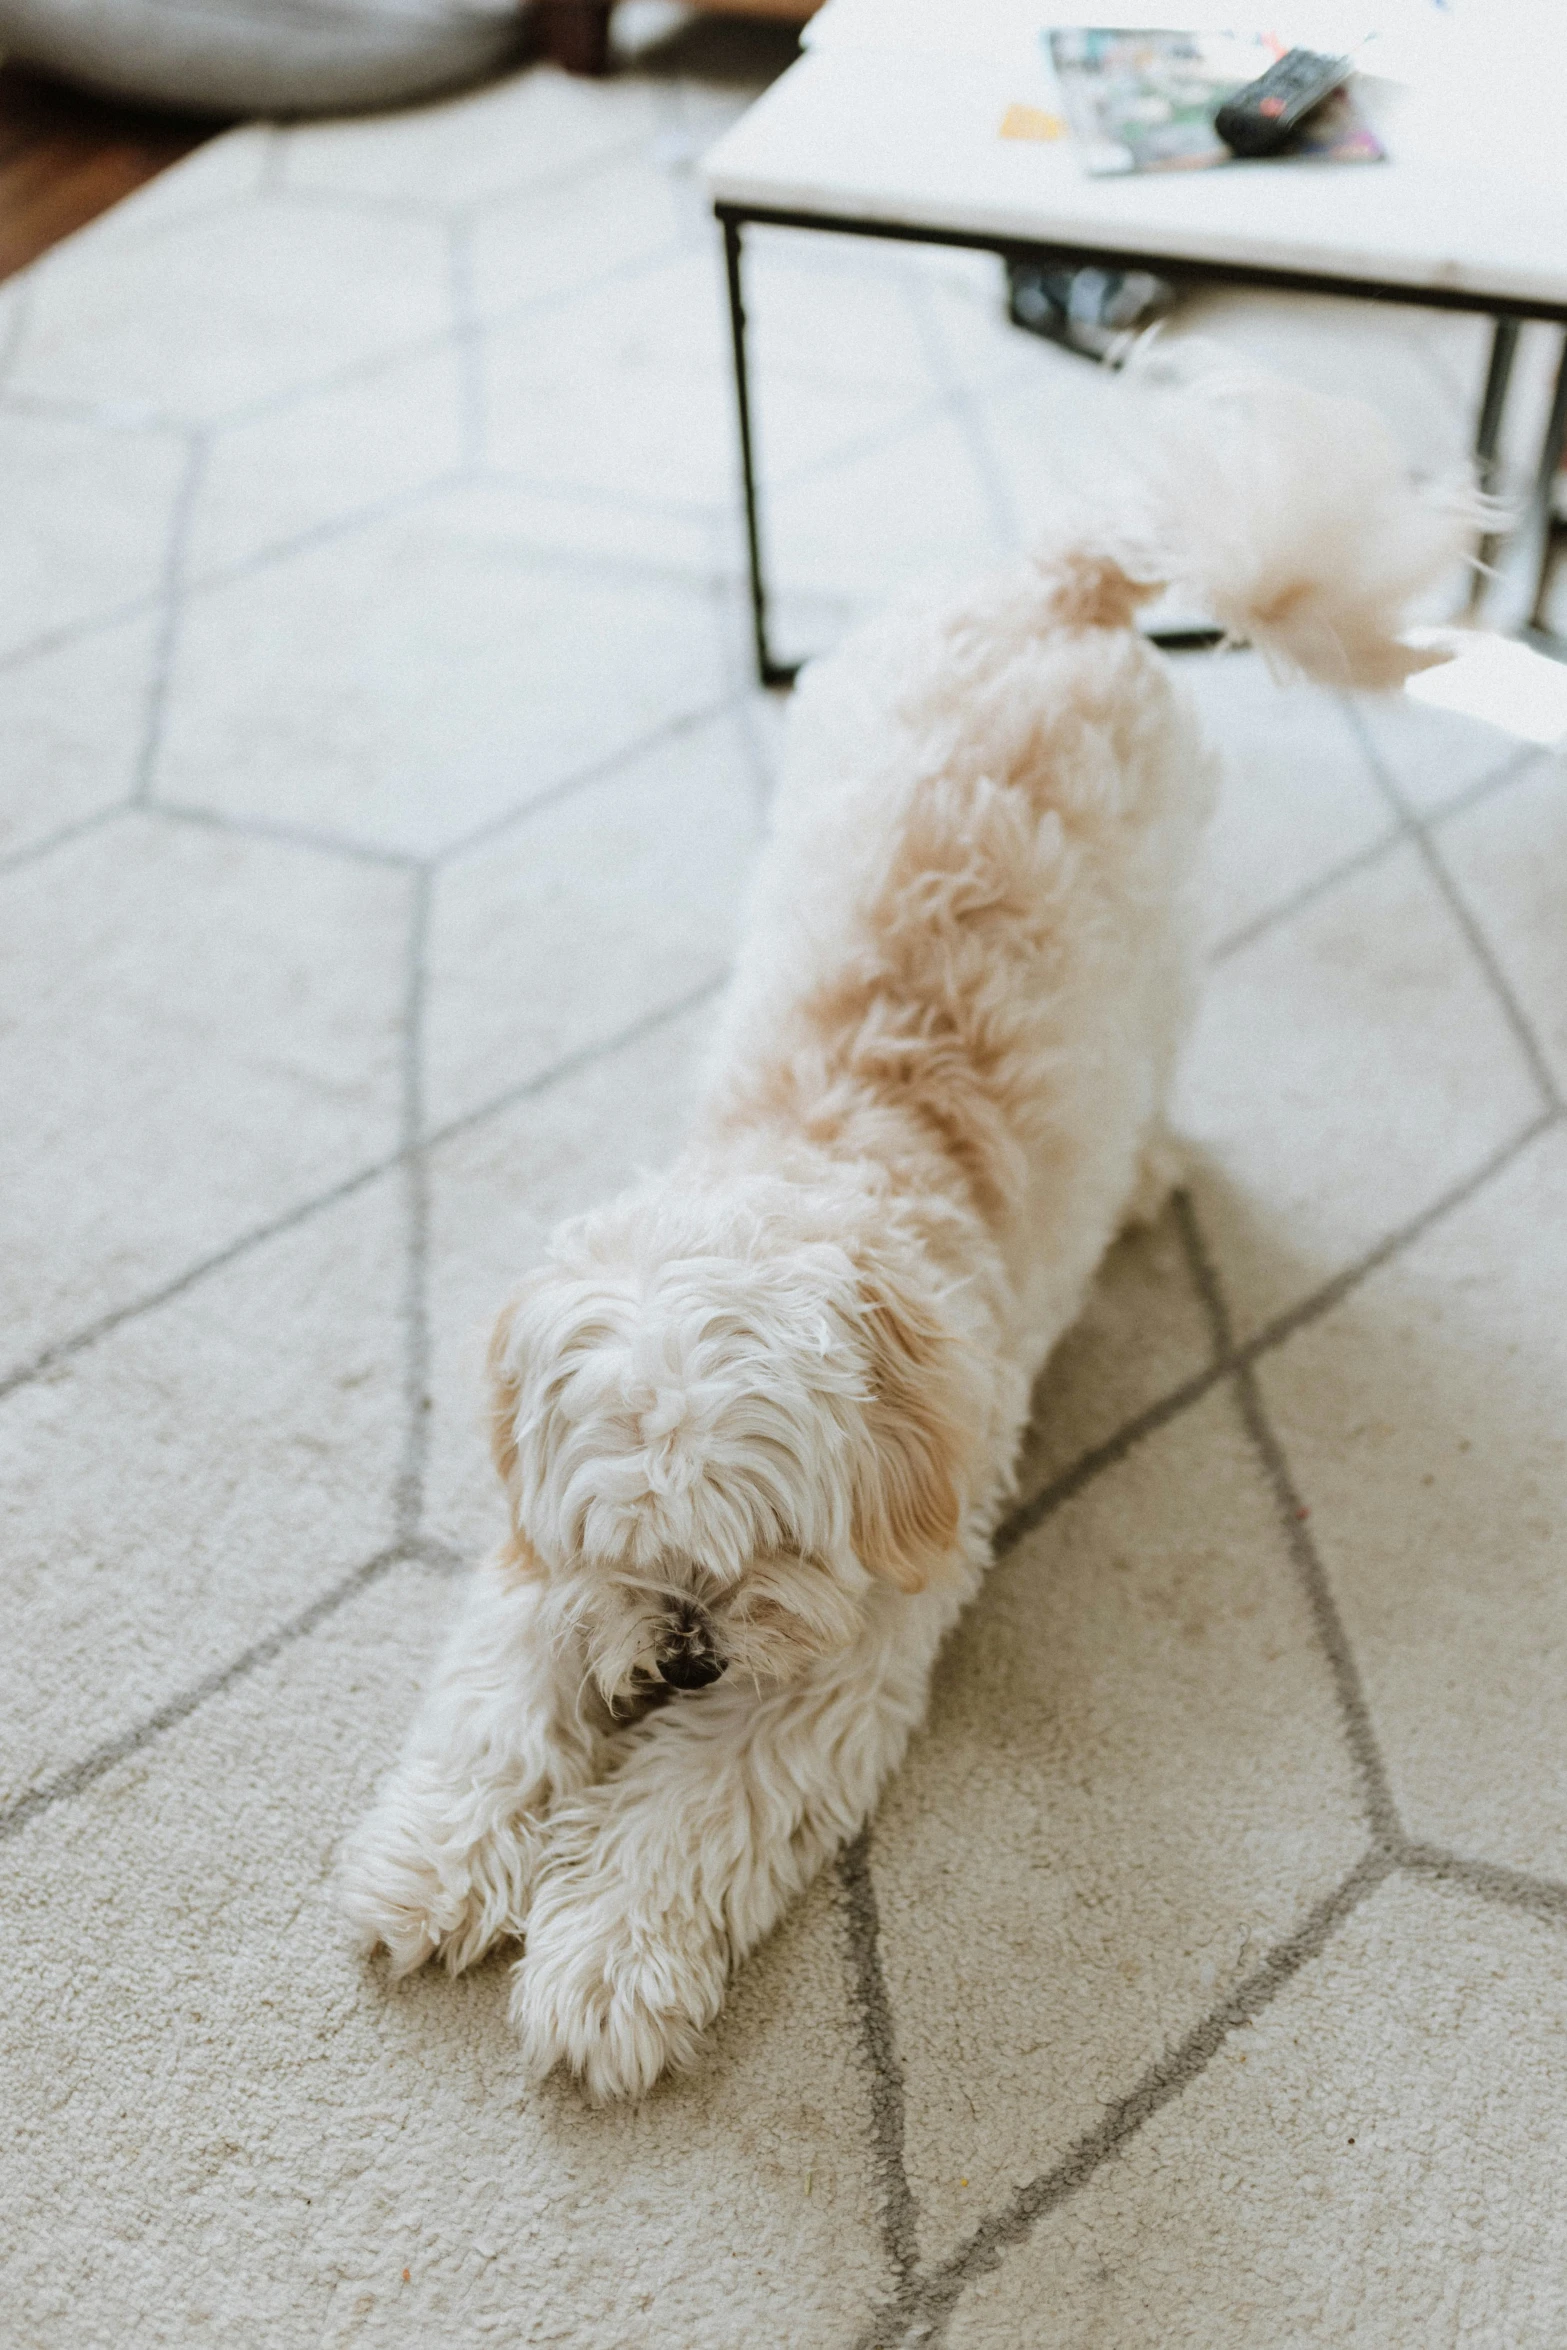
(445, 1862)
(661, 1878)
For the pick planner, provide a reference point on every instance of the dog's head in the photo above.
(718, 1430)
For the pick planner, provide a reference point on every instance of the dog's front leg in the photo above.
(446, 1860)
(663, 1876)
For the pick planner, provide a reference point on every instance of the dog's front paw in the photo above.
(422, 1878)
(615, 1994)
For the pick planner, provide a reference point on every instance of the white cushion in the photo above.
(261, 56)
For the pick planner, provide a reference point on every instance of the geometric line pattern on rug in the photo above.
(923, 2301)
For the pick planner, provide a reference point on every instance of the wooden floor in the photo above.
(64, 158)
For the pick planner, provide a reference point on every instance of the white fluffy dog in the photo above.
(757, 1418)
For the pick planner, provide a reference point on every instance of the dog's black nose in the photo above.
(687, 1657)
(690, 1668)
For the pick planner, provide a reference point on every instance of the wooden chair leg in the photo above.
(576, 34)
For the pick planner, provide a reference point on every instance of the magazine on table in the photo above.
(1145, 101)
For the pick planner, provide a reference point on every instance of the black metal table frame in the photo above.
(1506, 314)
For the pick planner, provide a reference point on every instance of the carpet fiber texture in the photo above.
(380, 773)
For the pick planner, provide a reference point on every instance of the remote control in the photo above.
(1260, 118)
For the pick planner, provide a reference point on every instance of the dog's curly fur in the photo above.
(756, 1419)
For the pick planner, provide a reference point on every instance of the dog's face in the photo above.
(718, 1431)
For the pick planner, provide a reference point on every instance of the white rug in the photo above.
(380, 770)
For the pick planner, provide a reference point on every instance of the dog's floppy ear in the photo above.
(909, 1484)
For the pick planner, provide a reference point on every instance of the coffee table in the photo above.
(889, 127)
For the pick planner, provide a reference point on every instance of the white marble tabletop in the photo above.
(894, 115)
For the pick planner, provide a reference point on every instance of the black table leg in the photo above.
(770, 672)
(1544, 532)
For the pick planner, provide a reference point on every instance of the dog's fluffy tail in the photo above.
(1287, 518)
